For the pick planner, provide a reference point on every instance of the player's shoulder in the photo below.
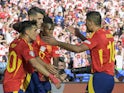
(18, 42)
(102, 32)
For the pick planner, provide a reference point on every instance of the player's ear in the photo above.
(90, 22)
(27, 32)
(31, 18)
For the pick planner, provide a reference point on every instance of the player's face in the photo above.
(88, 26)
(48, 29)
(39, 18)
(33, 33)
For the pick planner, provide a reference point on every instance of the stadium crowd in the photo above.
(65, 13)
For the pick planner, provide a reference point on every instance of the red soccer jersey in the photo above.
(18, 61)
(45, 51)
(102, 49)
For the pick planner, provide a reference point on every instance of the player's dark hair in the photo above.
(35, 10)
(62, 71)
(61, 59)
(95, 17)
(47, 19)
(22, 26)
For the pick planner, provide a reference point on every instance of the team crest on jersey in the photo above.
(49, 48)
(42, 48)
(31, 53)
(13, 45)
(87, 41)
(57, 52)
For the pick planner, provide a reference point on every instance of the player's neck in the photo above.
(27, 38)
(96, 28)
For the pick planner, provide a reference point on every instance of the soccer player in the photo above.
(36, 14)
(22, 59)
(46, 53)
(101, 46)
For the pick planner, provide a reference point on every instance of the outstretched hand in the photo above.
(52, 69)
(55, 81)
(50, 40)
(74, 31)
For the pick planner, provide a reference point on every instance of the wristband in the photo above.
(54, 79)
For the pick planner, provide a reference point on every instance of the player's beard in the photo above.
(89, 31)
(39, 25)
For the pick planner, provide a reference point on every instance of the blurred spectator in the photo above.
(23, 15)
(119, 75)
(61, 64)
(65, 77)
(59, 19)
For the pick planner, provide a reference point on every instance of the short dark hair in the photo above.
(35, 10)
(47, 19)
(61, 59)
(95, 17)
(22, 26)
